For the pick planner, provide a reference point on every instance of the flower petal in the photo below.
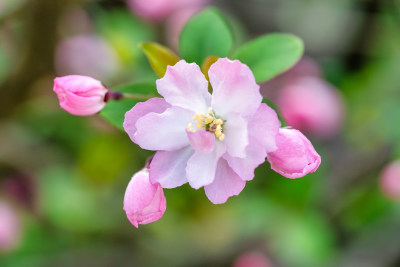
(169, 167)
(155, 104)
(184, 85)
(234, 88)
(201, 140)
(200, 169)
(236, 139)
(165, 131)
(226, 184)
(245, 167)
(264, 127)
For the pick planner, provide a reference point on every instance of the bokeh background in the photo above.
(63, 178)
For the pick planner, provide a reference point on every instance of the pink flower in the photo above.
(160, 9)
(86, 54)
(144, 202)
(80, 95)
(252, 259)
(295, 156)
(212, 140)
(390, 180)
(10, 227)
(312, 106)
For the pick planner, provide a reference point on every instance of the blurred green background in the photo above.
(63, 178)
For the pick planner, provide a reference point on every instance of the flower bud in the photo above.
(312, 106)
(10, 228)
(144, 202)
(295, 156)
(80, 95)
(390, 180)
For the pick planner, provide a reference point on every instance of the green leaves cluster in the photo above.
(208, 36)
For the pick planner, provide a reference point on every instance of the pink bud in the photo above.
(312, 106)
(390, 180)
(80, 95)
(10, 228)
(295, 156)
(144, 202)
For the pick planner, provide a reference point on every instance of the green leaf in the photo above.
(114, 111)
(270, 55)
(159, 57)
(205, 34)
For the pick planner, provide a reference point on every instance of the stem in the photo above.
(118, 95)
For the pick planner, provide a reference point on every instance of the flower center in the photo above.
(210, 122)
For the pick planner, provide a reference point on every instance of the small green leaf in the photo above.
(159, 57)
(205, 34)
(114, 111)
(270, 54)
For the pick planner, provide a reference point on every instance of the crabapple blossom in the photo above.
(86, 54)
(160, 9)
(295, 156)
(213, 140)
(390, 180)
(144, 202)
(311, 105)
(80, 95)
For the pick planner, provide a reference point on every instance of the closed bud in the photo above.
(80, 95)
(144, 202)
(295, 156)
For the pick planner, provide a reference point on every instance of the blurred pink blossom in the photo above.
(312, 106)
(80, 95)
(252, 259)
(10, 227)
(87, 55)
(390, 180)
(295, 156)
(160, 9)
(215, 141)
(144, 202)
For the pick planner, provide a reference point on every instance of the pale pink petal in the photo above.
(263, 129)
(236, 136)
(201, 167)
(234, 88)
(201, 140)
(165, 131)
(155, 104)
(226, 184)
(169, 167)
(295, 156)
(144, 202)
(184, 85)
(245, 167)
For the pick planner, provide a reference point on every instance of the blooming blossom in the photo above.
(80, 95)
(295, 156)
(144, 202)
(213, 140)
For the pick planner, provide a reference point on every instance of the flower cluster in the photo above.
(213, 140)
